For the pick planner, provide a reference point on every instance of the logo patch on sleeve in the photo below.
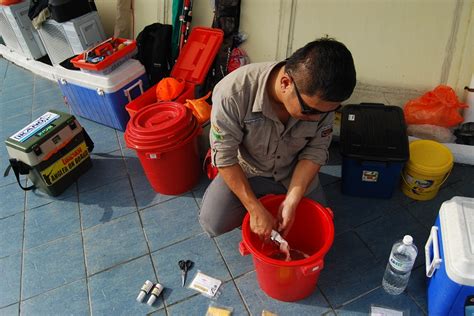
(216, 132)
(326, 130)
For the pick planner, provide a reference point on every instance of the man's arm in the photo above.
(261, 221)
(303, 175)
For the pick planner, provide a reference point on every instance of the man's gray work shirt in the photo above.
(245, 130)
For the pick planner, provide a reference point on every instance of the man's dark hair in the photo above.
(325, 68)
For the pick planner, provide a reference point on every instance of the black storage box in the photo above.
(374, 146)
(65, 10)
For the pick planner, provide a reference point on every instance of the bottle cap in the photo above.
(407, 240)
(141, 296)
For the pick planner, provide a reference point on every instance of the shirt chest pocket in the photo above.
(257, 136)
(298, 138)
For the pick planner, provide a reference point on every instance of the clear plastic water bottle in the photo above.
(399, 266)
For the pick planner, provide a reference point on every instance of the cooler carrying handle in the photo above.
(139, 83)
(432, 265)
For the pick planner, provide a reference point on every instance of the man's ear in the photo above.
(285, 82)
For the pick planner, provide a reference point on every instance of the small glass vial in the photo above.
(157, 289)
(146, 287)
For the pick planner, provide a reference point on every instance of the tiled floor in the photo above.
(89, 250)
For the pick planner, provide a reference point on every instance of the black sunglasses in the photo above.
(307, 110)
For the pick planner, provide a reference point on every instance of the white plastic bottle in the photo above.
(399, 266)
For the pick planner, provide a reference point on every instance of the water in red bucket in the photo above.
(312, 235)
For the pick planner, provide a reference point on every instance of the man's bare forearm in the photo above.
(304, 173)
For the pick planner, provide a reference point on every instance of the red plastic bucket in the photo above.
(312, 233)
(165, 137)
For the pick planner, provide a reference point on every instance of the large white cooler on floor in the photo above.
(449, 255)
(102, 98)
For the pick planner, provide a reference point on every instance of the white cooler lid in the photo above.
(457, 232)
(111, 82)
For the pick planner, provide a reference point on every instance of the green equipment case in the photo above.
(53, 151)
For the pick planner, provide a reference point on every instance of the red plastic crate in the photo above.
(192, 66)
(110, 62)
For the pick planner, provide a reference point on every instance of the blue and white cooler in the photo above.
(102, 97)
(449, 255)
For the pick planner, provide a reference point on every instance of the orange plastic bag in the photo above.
(438, 107)
(201, 109)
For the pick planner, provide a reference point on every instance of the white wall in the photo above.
(401, 47)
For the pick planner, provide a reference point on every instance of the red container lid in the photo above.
(160, 127)
(198, 54)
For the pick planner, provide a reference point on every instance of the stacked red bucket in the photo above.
(165, 137)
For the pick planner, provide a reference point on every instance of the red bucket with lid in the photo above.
(165, 137)
(312, 233)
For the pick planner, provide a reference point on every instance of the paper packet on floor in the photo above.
(206, 285)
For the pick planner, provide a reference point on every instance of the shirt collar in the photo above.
(262, 101)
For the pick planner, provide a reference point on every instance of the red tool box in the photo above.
(115, 51)
(192, 66)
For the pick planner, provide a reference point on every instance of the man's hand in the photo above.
(262, 222)
(286, 217)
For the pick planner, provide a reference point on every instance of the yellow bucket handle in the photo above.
(434, 188)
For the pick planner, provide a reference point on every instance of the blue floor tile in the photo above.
(15, 106)
(71, 299)
(417, 287)
(11, 310)
(105, 203)
(11, 234)
(15, 202)
(132, 162)
(49, 96)
(427, 211)
(465, 187)
(15, 76)
(10, 270)
(161, 312)
(104, 138)
(350, 212)
(257, 300)
(229, 246)
(206, 257)
(350, 269)
(199, 304)
(113, 243)
(114, 292)
(42, 84)
(171, 221)
(200, 188)
(36, 198)
(51, 221)
(46, 107)
(380, 234)
(16, 123)
(362, 306)
(144, 193)
(52, 265)
(104, 171)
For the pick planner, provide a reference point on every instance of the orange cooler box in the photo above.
(192, 66)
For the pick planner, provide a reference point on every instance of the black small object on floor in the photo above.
(184, 265)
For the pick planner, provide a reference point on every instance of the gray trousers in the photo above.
(222, 211)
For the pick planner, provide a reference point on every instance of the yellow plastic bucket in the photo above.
(428, 168)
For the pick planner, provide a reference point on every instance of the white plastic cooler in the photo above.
(18, 31)
(450, 258)
(102, 98)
